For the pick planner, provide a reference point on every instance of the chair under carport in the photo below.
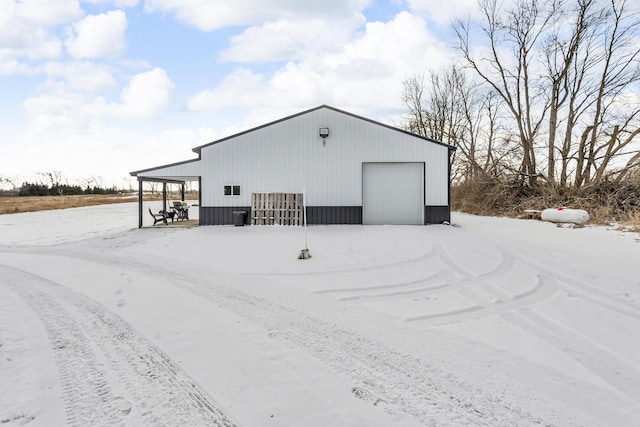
(181, 213)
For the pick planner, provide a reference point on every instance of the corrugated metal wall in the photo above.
(290, 154)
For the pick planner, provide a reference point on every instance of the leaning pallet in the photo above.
(276, 208)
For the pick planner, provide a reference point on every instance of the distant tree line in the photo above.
(36, 189)
(53, 183)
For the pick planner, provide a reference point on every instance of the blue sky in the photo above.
(99, 88)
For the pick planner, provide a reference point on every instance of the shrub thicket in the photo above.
(606, 202)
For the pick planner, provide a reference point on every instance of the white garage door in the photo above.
(393, 193)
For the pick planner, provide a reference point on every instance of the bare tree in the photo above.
(562, 47)
(153, 186)
(7, 183)
(615, 122)
(513, 37)
(93, 181)
(567, 68)
(632, 167)
(55, 179)
(453, 109)
(412, 96)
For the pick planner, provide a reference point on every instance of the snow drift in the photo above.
(491, 322)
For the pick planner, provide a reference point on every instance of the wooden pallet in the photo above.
(276, 208)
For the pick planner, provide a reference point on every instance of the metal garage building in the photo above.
(354, 171)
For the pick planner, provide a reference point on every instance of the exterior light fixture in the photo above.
(324, 133)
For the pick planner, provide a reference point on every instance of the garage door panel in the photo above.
(393, 193)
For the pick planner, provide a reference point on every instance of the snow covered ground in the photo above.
(490, 322)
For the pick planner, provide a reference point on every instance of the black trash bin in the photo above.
(238, 218)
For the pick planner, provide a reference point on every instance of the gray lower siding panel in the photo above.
(437, 214)
(321, 215)
(353, 214)
(222, 215)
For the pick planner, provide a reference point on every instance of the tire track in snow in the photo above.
(87, 394)
(603, 299)
(602, 362)
(397, 382)
(570, 283)
(545, 287)
(444, 278)
(90, 344)
(413, 287)
(431, 253)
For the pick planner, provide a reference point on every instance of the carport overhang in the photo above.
(165, 175)
(181, 181)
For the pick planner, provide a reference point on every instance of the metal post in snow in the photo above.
(304, 217)
(304, 254)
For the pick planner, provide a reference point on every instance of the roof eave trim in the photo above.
(135, 173)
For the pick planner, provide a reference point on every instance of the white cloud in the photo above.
(27, 29)
(146, 95)
(176, 143)
(60, 108)
(240, 88)
(291, 40)
(364, 75)
(28, 42)
(98, 36)
(400, 42)
(83, 135)
(208, 15)
(445, 13)
(325, 53)
(116, 3)
(41, 12)
(55, 108)
(82, 75)
(12, 66)
(266, 43)
(101, 150)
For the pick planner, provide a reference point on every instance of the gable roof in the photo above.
(199, 148)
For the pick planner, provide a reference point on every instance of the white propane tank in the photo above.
(565, 215)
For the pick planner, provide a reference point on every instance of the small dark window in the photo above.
(231, 190)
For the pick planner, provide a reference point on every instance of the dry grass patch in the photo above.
(15, 204)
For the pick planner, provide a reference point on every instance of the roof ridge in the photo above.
(200, 147)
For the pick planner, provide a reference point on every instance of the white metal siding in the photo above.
(290, 154)
(393, 193)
